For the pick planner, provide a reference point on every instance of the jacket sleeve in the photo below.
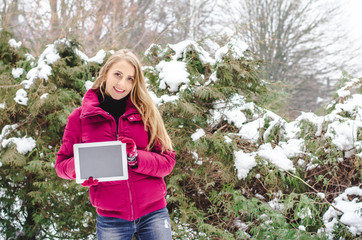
(64, 164)
(154, 163)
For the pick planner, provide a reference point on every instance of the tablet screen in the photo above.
(105, 161)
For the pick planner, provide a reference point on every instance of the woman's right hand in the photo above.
(90, 182)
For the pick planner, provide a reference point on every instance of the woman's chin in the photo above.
(117, 96)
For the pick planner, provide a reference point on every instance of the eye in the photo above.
(131, 79)
(117, 74)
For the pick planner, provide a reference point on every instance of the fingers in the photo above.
(90, 182)
(85, 183)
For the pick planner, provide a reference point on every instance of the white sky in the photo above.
(353, 13)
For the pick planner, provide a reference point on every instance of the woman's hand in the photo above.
(90, 182)
(131, 150)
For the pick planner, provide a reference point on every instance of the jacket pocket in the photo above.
(149, 190)
(134, 117)
(109, 196)
(92, 195)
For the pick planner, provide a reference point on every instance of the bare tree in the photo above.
(293, 39)
(286, 34)
(106, 24)
(10, 14)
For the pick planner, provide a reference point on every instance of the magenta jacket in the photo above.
(145, 190)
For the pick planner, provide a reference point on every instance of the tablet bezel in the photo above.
(78, 146)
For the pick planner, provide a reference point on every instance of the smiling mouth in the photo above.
(118, 90)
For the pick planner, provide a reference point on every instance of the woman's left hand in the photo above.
(131, 149)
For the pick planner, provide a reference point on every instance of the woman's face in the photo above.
(119, 79)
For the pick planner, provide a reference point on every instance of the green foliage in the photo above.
(35, 202)
(205, 196)
(9, 55)
(206, 199)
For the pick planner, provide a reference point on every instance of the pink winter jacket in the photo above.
(145, 190)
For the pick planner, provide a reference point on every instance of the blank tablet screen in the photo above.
(105, 161)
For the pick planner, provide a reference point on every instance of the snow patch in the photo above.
(17, 72)
(23, 145)
(244, 162)
(173, 74)
(198, 134)
(13, 43)
(21, 97)
(276, 156)
(351, 214)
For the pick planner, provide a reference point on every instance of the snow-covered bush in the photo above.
(242, 171)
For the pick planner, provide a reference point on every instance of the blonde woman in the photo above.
(119, 107)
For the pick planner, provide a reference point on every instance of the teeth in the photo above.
(118, 90)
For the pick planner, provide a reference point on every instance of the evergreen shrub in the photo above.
(227, 182)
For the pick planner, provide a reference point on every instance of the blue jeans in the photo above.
(153, 226)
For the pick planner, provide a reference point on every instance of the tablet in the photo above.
(105, 161)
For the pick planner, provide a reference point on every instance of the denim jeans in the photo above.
(153, 226)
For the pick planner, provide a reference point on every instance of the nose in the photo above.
(121, 80)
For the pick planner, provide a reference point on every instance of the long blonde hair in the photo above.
(140, 97)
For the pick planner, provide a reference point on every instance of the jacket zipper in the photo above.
(117, 136)
(130, 199)
(120, 123)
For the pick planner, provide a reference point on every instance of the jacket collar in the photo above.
(90, 105)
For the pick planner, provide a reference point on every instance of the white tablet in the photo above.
(105, 161)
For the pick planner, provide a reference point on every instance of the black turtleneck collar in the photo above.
(114, 107)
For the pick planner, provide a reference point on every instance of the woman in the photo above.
(119, 107)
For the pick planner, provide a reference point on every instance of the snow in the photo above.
(231, 111)
(99, 57)
(7, 129)
(198, 134)
(44, 96)
(173, 74)
(23, 145)
(250, 130)
(244, 162)
(254, 124)
(275, 204)
(344, 134)
(21, 97)
(13, 43)
(88, 85)
(42, 70)
(301, 228)
(344, 91)
(352, 105)
(82, 55)
(29, 57)
(17, 72)
(227, 139)
(321, 195)
(305, 213)
(351, 214)
(293, 148)
(50, 55)
(291, 129)
(276, 156)
(235, 46)
(181, 48)
(163, 99)
(313, 119)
